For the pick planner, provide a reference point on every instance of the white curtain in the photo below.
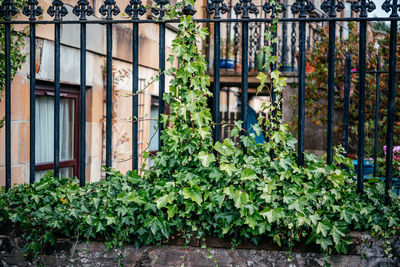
(44, 137)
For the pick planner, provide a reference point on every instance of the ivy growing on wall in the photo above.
(17, 57)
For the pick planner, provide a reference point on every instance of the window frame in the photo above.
(44, 88)
(154, 102)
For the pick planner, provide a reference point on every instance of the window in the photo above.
(44, 125)
(153, 131)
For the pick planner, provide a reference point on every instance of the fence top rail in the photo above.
(266, 20)
(245, 11)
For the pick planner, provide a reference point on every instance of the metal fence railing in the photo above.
(244, 16)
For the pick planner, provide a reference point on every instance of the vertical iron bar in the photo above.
(161, 83)
(216, 93)
(301, 93)
(378, 80)
(109, 97)
(32, 88)
(228, 91)
(346, 105)
(273, 67)
(245, 67)
(361, 107)
(285, 60)
(331, 89)
(391, 111)
(57, 99)
(135, 89)
(228, 34)
(208, 42)
(82, 149)
(293, 42)
(236, 43)
(8, 103)
(309, 37)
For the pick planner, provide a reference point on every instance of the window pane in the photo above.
(67, 172)
(45, 128)
(153, 136)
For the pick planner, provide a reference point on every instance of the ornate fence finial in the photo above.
(8, 10)
(387, 6)
(83, 9)
(135, 8)
(302, 7)
(217, 7)
(32, 10)
(109, 9)
(159, 10)
(274, 9)
(57, 10)
(366, 6)
(246, 7)
(331, 7)
(189, 10)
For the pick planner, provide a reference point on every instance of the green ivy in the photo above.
(16, 55)
(244, 191)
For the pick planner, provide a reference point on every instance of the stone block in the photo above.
(19, 98)
(19, 175)
(95, 254)
(24, 143)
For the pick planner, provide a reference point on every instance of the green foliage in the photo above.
(261, 196)
(317, 87)
(243, 191)
(16, 56)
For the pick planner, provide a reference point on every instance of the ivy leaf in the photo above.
(324, 242)
(248, 174)
(96, 202)
(206, 158)
(229, 168)
(346, 216)
(73, 213)
(229, 191)
(203, 131)
(14, 217)
(41, 186)
(225, 149)
(153, 223)
(194, 195)
(55, 224)
(100, 227)
(111, 220)
(171, 210)
(272, 215)
(336, 234)
(323, 227)
(269, 214)
(240, 198)
(251, 221)
(163, 201)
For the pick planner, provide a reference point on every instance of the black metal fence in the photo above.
(246, 13)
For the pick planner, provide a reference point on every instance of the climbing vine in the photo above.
(241, 191)
(17, 57)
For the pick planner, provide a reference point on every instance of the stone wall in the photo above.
(69, 253)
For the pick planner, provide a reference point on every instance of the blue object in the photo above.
(368, 166)
(251, 120)
(229, 64)
(368, 170)
(222, 63)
